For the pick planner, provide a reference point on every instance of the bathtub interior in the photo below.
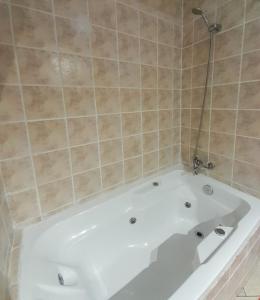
(101, 255)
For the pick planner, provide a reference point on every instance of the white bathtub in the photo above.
(101, 255)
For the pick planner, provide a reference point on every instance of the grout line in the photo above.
(30, 121)
(238, 94)
(30, 155)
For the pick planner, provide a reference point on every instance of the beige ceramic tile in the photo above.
(106, 73)
(223, 121)
(148, 76)
(165, 78)
(10, 105)
(222, 144)
(23, 206)
(165, 32)
(165, 99)
(102, 12)
(177, 79)
(5, 29)
(200, 53)
(131, 123)
(187, 57)
(72, 37)
(79, 101)
(231, 13)
(176, 104)
(150, 142)
(225, 96)
(150, 162)
(228, 43)
(165, 158)
(186, 79)
(130, 100)
(166, 56)
(55, 195)
(87, 183)
(165, 119)
(44, 5)
(251, 66)
(8, 73)
(251, 31)
(186, 99)
(17, 174)
(127, 19)
(84, 158)
(109, 126)
(71, 8)
(47, 135)
(107, 100)
(247, 149)
(148, 27)
(33, 29)
(176, 115)
(76, 70)
(129, 75)
(188, 33)
(112, 175)
(227, 70)
(248, 123)
(38, 67)
(51, 166)
(13, 140)
(128, 48)
(82, 130)
(111, 151)
(164, 140)
(132, 146)
(149, 120)
(247, 175)
(43, 102)
(104, 42)
(149, 99)
(133, 168)
(149, 52)
(252, 9)
(249, 90)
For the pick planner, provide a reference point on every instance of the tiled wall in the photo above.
(231, 127)
(6, 237)
(89, 98)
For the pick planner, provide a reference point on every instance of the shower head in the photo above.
(199, 12)
(212, 28)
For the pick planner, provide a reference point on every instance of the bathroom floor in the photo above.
(251, 290)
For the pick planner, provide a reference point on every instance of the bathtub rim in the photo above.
(192, 286)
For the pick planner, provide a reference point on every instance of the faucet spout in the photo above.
(197, 164)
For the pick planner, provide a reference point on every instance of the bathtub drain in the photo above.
(187, 204)
(132, 220)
